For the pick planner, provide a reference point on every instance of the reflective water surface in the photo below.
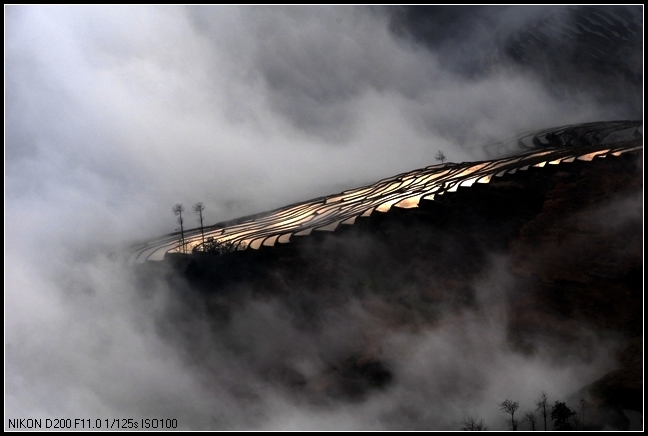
(557, 146)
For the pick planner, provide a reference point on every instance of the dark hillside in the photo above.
(567, 237)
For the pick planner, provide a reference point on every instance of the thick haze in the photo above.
(114, 114)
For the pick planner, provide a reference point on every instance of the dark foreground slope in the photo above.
(563, 241)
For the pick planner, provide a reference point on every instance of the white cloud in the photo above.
(114, 114)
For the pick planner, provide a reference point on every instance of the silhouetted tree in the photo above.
(542, 404)
(471, 424)
(576, 420)
(216, 247)
(560, 414)
(440, 156)
(531, 418)
(508, 406)
(177, 210)
(198, 208)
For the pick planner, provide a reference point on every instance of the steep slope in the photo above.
(565, 242)
(563, 145)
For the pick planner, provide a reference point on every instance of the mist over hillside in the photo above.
(115, 114)
(420, 318)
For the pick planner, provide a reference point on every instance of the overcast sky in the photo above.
(114, 114)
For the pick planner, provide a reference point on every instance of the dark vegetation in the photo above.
(472, 424)
(531, 418)
(573, 238)
(199, 208)
(562, 416)
(177, 211)
(542, 406)
(510, 407)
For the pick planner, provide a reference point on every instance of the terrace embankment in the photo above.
(567, 239)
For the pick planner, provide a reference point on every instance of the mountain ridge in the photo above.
(567, 266)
